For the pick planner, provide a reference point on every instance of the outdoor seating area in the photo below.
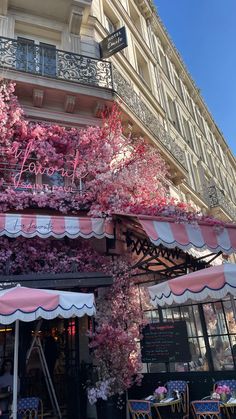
(173, 401)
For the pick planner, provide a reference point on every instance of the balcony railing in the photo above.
(147, 117)
(41, 60)
(216, 198)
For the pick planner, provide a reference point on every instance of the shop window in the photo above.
(221, 333)
(54, 180)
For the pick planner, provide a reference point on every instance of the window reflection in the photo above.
(221, 336)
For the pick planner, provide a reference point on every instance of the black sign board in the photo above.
(113, 43)
(165, 342)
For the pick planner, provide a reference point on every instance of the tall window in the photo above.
(111, 24)
(135, 17)
(164, 64)
(173, 113)
(200, 121)
(142, 67)
(187, 132)
(178, 86)
(190, 106)
(36, 57)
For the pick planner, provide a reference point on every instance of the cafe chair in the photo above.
(182, 388)
(230, 383)
(30, 408)
(206, 409)
(140, 409)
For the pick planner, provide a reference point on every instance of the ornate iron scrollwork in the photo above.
(24, 55)
(135, 103)
(215, 198)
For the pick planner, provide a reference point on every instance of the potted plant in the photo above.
(160, 392)
(223, 391)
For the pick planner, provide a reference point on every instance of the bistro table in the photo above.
(229, 409)
(167, 406)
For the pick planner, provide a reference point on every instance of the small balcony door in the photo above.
(36, 57)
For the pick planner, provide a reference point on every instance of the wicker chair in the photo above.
(30, 408)
(140, 409)
(182, 388)
(206, 409)
(230, 383)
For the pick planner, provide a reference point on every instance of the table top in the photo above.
(167, 403)
(233, 404)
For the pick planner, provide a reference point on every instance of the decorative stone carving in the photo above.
(38, 95)
(99, 109)
(79, 15)
(70, 103)
(150, 121)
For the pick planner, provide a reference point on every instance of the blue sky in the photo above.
(204, 32)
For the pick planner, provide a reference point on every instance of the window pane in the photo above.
(215, 320)
(220, 352)
(230, 320)
(198, 352)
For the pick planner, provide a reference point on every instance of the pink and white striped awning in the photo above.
(186, 235)
(30, 225)
(208, 284)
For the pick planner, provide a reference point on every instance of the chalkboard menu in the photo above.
(165, 342)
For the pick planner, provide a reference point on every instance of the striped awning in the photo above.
(186, 235)
(31, 225)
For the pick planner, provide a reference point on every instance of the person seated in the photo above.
(6, 384)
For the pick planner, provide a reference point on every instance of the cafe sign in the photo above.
(113, 43)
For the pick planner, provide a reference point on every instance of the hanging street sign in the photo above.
(113, 43)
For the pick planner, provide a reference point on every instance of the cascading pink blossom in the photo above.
(119, 174)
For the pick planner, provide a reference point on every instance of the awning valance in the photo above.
(172, 234)
(209, 284)
(30, 225)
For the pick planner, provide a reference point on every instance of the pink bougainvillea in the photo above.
(50, 255)
(106, 171)
(115, 342)
(98, 170)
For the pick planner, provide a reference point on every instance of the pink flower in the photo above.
(223, 389)
(160, 390)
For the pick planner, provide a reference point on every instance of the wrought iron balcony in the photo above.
(42, 60)
(216, 198)
(149, 120)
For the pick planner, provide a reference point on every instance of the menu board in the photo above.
(165, 342)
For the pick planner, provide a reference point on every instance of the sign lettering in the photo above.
(113, 43)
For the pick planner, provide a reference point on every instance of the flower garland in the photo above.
(115, 340)
(117, 174)
(50, 255)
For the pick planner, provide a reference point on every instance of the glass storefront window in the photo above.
(215, 318)
(219, 322)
